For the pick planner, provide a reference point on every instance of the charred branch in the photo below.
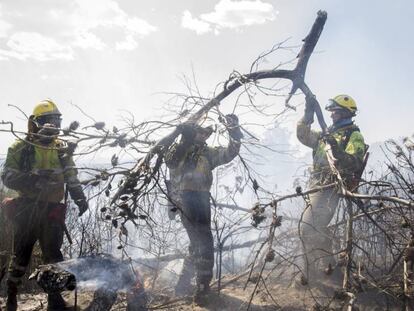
(143, 170)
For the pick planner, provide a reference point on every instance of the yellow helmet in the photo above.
(45, 108)
(342, 102)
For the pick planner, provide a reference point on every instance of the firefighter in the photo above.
(191, 163)
(38, 168)
(348, 149)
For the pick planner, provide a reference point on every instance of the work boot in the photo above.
(11, 302)
(56, 302)
(202, 293)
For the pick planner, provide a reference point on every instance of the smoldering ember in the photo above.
(232, 194)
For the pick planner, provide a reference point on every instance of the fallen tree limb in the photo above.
(349, 194)
(172, 257)
(143, 171)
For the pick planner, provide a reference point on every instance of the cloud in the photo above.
(199, 26)
(139, 26)
(103, 15)
(76, 24)
(32, 45)
(233, 14)
(230, 14)
(88, 40)
(128, 44)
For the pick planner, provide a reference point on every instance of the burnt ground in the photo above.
(279, 295)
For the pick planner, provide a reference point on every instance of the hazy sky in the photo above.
(109, 55)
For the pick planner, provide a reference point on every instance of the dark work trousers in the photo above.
(34, 221)
(316, 237)
(196, 219)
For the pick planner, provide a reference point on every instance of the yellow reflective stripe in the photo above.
(350, 149)
(356, 145)
(46, 159)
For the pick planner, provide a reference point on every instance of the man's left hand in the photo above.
(330, 140)
(233, 126)
(83, 206)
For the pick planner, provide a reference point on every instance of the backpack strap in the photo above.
(26, 158)
(348, 133)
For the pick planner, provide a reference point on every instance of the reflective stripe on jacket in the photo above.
(192, 170)
(25, 163)
(348, 164)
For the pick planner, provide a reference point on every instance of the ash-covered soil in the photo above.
(277, 295)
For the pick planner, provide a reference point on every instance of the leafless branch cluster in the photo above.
(373, 229)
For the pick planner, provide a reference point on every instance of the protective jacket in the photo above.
(351, 151)
(191, 165)
(39, 172)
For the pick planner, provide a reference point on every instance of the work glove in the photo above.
(188, 131)
(77, 195)
(345, 161)
(330, 140)
(308, 117)
(82, 206)
(232, 122)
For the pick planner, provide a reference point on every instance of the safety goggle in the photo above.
(333, 105)
(53, 119)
